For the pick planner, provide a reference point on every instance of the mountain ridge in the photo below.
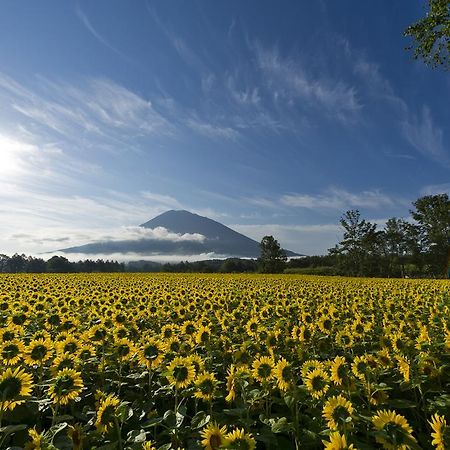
(218, 239)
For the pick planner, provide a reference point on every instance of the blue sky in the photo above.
(270, 117)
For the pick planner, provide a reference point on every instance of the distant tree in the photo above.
(359, 250)
(59, 264)
(432, 214)
(431, 35)
(273, 258)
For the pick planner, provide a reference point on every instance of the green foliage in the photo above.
(431, 35)
(273, 258)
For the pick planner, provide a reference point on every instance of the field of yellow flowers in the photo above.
(130, 361)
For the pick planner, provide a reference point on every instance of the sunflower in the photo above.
(441, 432)
(66, 386)
(76, 435)
(393, 430)
(181, 372)
(14, 386)
(37, 352)
(241, 440)
(148, 446)
(317, 382)
(308, 366)
(213, 437)
(360, 367)
(252, 327)
(151, 354)
(70, 344)
(337, 442)
(263, 369)
(205, 385)
(197, 362)
(107, 413)
(283, 374)
(63, 361)
(339, 371)
(338, 412)
(11, 352)
(203, 335)
(38, 440)
(124, 349)
(403, 367)
(344, 338)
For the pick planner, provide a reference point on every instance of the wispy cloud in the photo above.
(426, 137)
(290, 82)
(336, 198)
(87, 23)
(434, 189)
(211, 130)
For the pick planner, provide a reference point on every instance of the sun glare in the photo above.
(13, 154)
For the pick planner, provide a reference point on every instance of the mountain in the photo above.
(217, 238)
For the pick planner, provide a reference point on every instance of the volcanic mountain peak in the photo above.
(218, 239)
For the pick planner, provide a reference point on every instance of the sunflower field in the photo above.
(136, 361)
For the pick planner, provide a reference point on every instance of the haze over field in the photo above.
(271, 118)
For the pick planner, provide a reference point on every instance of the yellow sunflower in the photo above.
(339, 371)
(337, 442)
(394, 432)
(338, 412)
(15, 384)
(107, 413)
(151, 354)
(213, 437)
(66, 386)
(205, 385)
(38, 351)
(283, 375)
(181, 372)
(11, 352)
(263, 369)
(38, 440)
(148, 446)
(76, 435)
(317, 382)
(441, 432)
(241, 440)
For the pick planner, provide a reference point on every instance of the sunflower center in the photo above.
(264, 370)
(123, 350)
(151, 352)
(318, 383)
(10, 351)
(10, 388)
(215, 441)
(180, 373)
(206, 386)
(39, 352)
(340, 413)
(64, 384)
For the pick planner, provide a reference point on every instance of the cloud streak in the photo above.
(336, 198)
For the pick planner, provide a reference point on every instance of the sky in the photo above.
(273, 118)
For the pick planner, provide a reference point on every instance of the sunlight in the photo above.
(13, 154)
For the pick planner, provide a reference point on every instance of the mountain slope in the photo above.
(219, 239)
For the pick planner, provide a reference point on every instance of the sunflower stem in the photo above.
(119, 433)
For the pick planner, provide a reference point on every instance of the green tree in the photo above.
(432, 214)
(431, 35)
(273, 258)
(359, 250)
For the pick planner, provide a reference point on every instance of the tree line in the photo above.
(56, 264)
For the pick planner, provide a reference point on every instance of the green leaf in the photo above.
(11, 429)
(200, 420)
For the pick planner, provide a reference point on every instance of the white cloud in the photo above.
(335, 198)
(426, 137)
(76, 236)
(289, 80)
(210, 130)
(435, 189)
